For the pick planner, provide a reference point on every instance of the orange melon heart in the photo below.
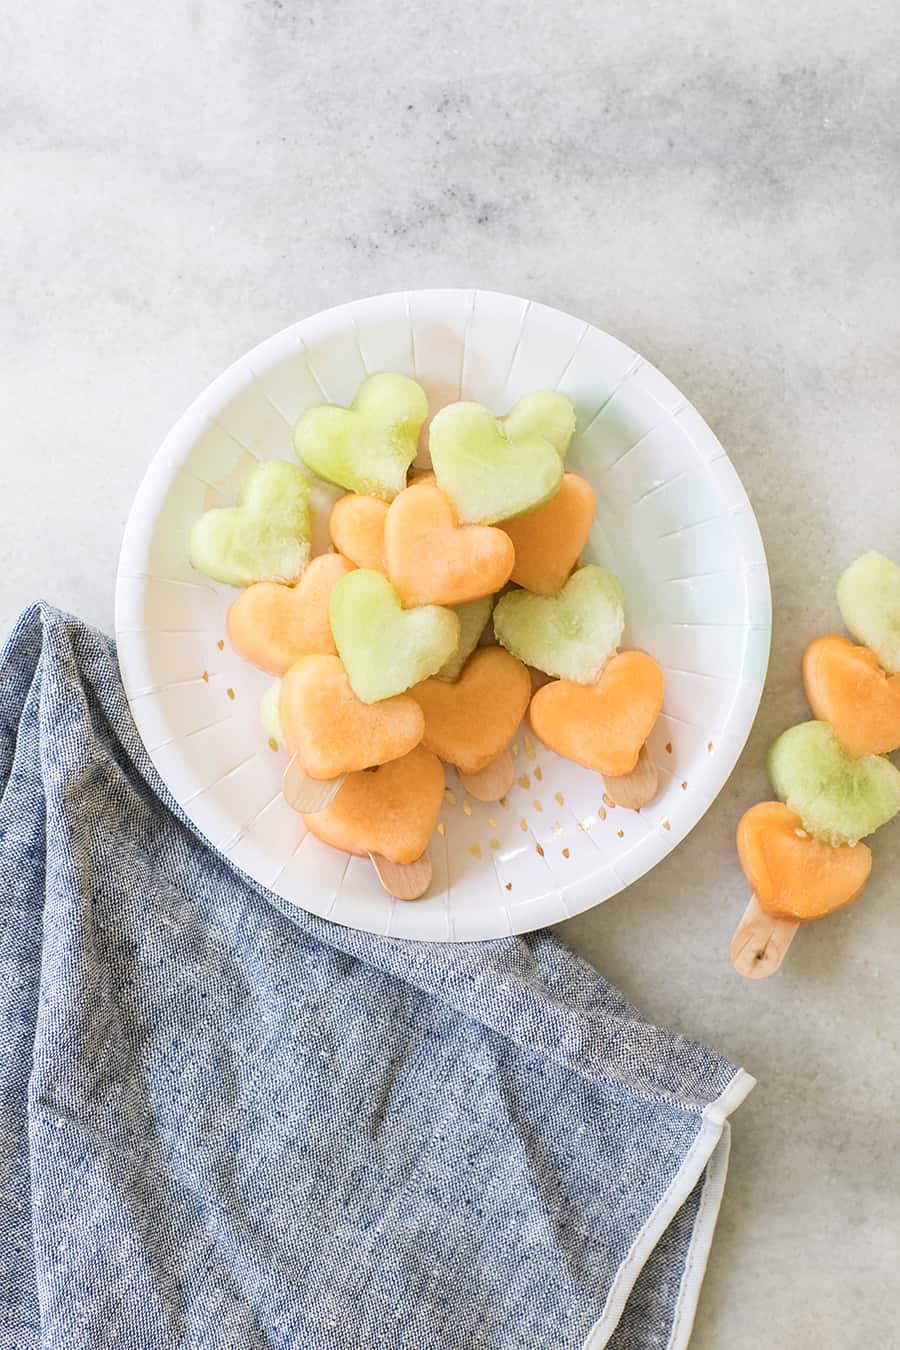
(272, 625)
(331, 731)
(433, 560)
(793, 875)
(549, 540)
(391, 810)
(847, 687)
(471, 721)
(602, 725)
(356, 526)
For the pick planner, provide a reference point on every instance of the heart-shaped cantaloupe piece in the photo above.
(331, 731)
(356, 526)
(549, 540)
(572, 634)
(265, 537)
(793, 875)
(847, 687)
(544, 413)
(390, 811)
(839, 799)
(384, 647)
(470, 722)
(368, 447)
(272, 626)
(433, 560)
(487, 475)
(602, 725)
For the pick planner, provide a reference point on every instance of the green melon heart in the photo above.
(546, 414)
(368, 447)
(473, 617)
(868, 595)
(384, 647)
(486, 474)
(265, 537)
(839, 799)
(269, 714)
(572, 634)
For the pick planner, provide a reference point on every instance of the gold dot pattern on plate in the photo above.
(221, 645)
(523, 825)
(230, 693)
(475, 850)
(509, 885)
(709, 746)
(529, 748)
(684, 786)
(608, 801)
(442, 828)
(449, 796)
(620, 833)
(558, 797)
(525, 782)
(536, 804)
(504, 803)
(492, 822)
(467, 808)
(514, 750)
(668, 747)
(667, 824)
(539, 773)
(602, 812)
(495, 844)
(539, 850)
(273, 744)
(565, 853)
(206, 677)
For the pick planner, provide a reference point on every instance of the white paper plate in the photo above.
(673, 522)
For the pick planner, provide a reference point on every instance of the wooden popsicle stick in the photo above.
(306, 794)
(404, 881)
(760, 942)
(634, 790)
(493, 781)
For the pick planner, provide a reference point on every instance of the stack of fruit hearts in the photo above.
(801, 854)
(377, 644)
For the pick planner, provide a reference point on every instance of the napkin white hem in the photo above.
(711, 1147)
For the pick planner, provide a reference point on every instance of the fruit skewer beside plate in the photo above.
(803, 854)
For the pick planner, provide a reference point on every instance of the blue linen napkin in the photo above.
(227, 1123)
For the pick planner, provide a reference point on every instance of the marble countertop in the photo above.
(716, 184)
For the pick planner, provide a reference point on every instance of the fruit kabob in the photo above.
(803, 854)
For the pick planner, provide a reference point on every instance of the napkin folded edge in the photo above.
(709, 1150)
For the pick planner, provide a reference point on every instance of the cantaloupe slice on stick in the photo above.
(795, 879)
(388, 813)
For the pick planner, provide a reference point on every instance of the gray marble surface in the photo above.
(715, 182)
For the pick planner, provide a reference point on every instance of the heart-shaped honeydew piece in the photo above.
(473, 617)
(868, 595)
(839, 799)
(546, 414)
(265, 537)
(269, 715)
(384, 647)
(487, 475)
(369, 446)
(572, 634)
